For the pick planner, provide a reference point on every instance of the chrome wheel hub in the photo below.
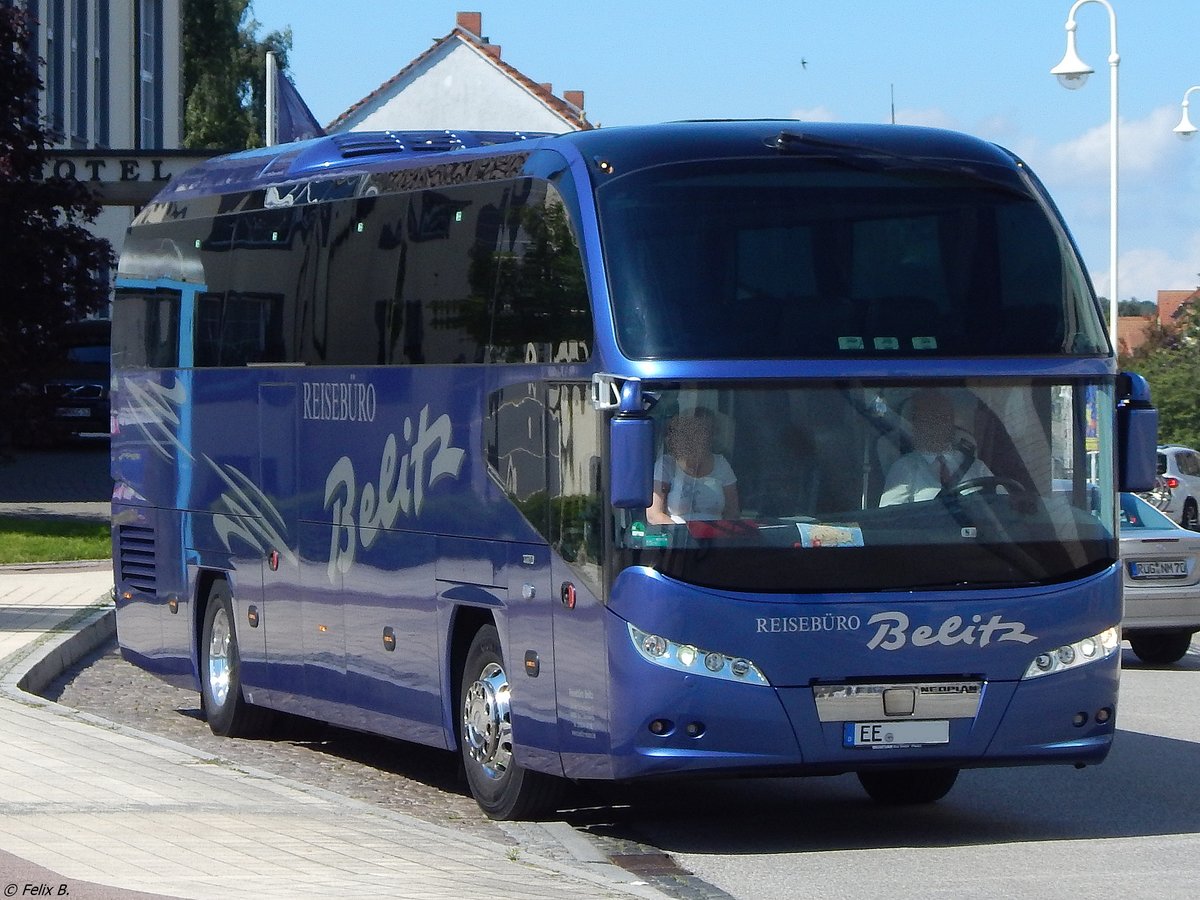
(487, 721)
(218, 658)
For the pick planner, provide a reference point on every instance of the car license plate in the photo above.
(888, 734)
(1159, 568)
(72, 412)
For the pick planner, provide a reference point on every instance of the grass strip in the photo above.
(27, 540)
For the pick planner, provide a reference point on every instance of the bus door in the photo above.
(516, 449)
(530, 652)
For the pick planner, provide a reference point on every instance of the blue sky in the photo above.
(980, 66)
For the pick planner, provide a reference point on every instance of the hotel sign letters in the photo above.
(121, 177)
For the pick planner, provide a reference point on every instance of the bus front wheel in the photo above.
(227, 711)
(501, 787)
(904, 787)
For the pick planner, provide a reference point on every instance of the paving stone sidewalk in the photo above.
(106, 805)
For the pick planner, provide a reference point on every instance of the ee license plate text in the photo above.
(885, 734)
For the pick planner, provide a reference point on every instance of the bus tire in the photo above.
(907, 787)
(1161, 649)
(503, 789)
(226, 709)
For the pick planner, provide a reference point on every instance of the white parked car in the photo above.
(1179, 467)
(1161, 565)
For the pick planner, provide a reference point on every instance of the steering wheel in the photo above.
(985, 484)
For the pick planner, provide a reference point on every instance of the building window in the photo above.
(100, 75)
(79, 74)
(56, 70)
(150, 74)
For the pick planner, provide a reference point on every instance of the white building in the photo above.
(111, 100)
(461, 83)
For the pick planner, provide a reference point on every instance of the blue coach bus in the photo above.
(702, 448)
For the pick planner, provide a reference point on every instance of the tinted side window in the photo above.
(573, 438)
(257, 322)
(540, 309)
(145, 330)
(362, 240)
(542, 443)
(443, 305)
(454, 275)
(397, 286)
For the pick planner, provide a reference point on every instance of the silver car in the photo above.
(1179, 467)
(1161, 562)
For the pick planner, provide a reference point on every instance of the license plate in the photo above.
(72, 412)
(888, 734)
(1159, 568)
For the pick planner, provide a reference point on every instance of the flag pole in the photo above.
(272, 103)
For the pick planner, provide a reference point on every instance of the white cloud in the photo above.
(1146, 143)
(1143, 145)
(1147, 270)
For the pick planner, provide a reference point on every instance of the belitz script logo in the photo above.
(895, 631)
(404, 480)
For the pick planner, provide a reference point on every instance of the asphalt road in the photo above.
(70, 480)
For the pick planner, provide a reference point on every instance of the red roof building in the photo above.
(462, 83)
(1133, 331)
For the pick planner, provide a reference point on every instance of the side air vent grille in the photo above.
(136, 558)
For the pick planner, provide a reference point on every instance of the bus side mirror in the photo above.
(1137, 434)
(631, 456)
(631, 443)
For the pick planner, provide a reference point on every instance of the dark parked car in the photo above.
(74, 400)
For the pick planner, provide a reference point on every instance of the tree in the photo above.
(1169, 360)
(224, 74)
(1135, 307)
(55, 270)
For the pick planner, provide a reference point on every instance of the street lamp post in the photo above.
(1072, 72)
(1185, 129)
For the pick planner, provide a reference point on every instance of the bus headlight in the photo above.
(1072, 656)
(694, 660)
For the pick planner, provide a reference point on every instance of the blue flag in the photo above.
(294, 121)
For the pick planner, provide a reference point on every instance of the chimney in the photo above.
(470, 21)
(547, 86)
(575, 98)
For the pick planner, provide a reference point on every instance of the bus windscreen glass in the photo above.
(861, 486)
(800, 257)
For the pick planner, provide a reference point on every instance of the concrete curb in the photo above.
(64, 650)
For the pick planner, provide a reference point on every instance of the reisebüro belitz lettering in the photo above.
(791, 624)
(339, 401)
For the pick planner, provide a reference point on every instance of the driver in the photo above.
(691, 482)
(933, 465)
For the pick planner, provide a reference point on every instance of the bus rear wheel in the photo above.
(227, 711)
(502, 788)
(908, 787)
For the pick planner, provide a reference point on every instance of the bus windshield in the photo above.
(862, 486)
(810, 257)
